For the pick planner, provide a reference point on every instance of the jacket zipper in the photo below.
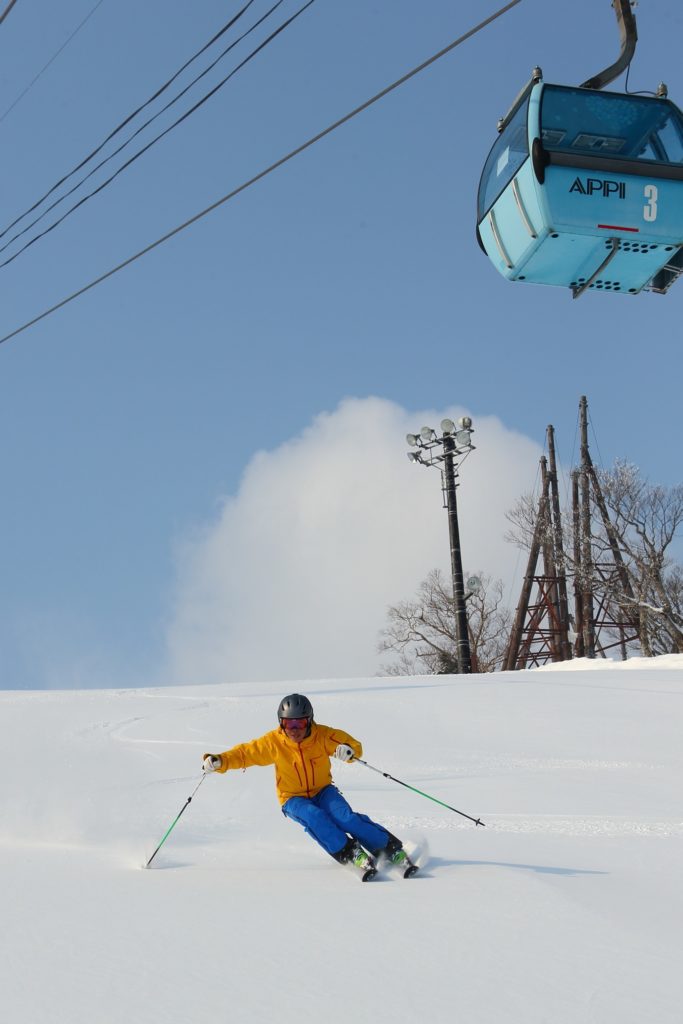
(303, 762)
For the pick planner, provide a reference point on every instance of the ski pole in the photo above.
(170, 829)
(477, 821)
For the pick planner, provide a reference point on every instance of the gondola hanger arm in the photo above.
(629, 37)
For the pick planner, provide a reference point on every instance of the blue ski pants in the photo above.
(330, 820)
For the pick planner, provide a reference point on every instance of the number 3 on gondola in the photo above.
(650, 211)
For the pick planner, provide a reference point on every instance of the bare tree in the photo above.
(647, 518)
(674, 590)
(421, 632)
(522, 518)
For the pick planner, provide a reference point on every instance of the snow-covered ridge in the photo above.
(662, 661)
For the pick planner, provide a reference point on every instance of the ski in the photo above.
(370, 871)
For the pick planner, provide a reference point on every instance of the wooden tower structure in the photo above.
(544, 629)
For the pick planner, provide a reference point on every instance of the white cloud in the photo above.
(293, 580)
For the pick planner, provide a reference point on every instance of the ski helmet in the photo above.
(295, 706)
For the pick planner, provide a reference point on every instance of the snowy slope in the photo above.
(566, 908)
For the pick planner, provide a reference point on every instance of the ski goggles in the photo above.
(294, 723)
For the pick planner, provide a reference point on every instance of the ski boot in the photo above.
(354, 854)
(395, 855)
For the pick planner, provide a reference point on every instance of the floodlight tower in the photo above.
(442, 451)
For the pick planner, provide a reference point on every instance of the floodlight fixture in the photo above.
(427, 433)
(447, 426)
(465, 422)
(411, 439)
(463, 438)
(414, 456)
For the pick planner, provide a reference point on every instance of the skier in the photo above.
(300, 750)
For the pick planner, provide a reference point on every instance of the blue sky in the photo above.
(344, 297)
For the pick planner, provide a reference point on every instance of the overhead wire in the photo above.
(637, 92)
(225, 28)
(6, 11)
(264, 173)
(52, 59)
(128, 119)
(601, 461)
(157, 138)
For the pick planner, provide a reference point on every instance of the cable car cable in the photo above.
(52, 59)
(149, 145)
(6, 11)
(130, 117)
(264, 173)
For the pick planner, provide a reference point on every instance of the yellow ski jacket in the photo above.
(301, 769)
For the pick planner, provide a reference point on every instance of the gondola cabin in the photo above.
(584, 188)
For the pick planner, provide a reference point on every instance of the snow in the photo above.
(565, 908)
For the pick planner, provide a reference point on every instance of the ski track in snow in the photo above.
(119, 730)
(468, 765)
(493, 764)
(549, 824)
